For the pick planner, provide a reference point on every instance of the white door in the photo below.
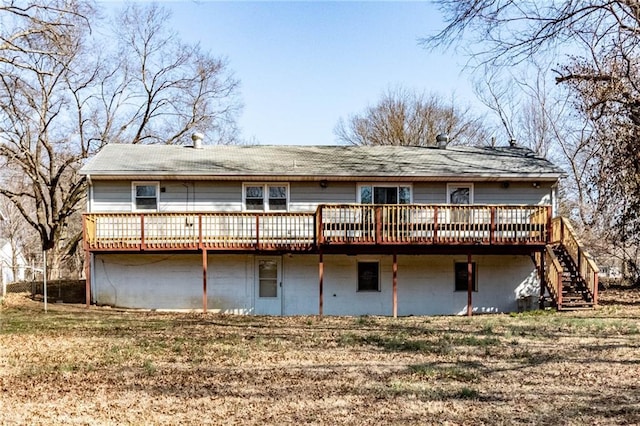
(268, 287)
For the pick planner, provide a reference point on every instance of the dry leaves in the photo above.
(102, 366)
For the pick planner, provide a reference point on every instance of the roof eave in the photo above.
(336, 178)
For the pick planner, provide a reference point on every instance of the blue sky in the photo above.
(303, 65)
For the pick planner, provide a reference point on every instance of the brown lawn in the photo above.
(101, 366)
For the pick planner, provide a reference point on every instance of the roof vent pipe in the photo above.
(442, 140)
(197, 140)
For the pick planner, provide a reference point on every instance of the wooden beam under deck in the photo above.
(469, 286)
(395, 285)
(205, 263)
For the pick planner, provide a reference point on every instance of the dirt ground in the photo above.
(75, 365)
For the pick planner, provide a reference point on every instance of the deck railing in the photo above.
(433, 224)
(564, 234)
(329, 225)
(551, 272)
(191, 231)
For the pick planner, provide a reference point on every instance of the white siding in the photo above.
(173, 281)
(200, 196)
(115, 196)
(305, 196)
(514, 193)
(429, 193)
(111, 196)
(425, 283)
(486, 193)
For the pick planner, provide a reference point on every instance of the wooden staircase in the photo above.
(575, 293)
(568, 273)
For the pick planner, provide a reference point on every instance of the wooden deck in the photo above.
(334, 226)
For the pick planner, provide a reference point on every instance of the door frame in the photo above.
(268, 305)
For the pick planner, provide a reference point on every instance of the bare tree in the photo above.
(63, 95)
(525, 109)
(404, 117)
(599, 46)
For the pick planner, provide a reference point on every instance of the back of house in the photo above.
(334, 230)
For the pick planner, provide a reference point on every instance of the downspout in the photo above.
(90, 193)
(554, 200)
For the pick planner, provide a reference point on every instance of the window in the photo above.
(458, 193)
(145, 196)
(385, 194)
(268, 276)
(254, 197)
(266, 197)
(461, 194)
(277, 197)
(368, 276)
(461, 274)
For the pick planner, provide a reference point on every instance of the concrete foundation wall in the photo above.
(425, 284)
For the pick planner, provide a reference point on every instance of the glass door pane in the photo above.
(268, 278)
(385, 195)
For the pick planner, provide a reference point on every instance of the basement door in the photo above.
(268, 286)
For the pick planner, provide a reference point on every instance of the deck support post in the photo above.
(204, 280)
(543, 281)
(469, 286)
(87, 275)
(395, 285)
(320, 284)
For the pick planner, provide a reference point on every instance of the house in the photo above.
(333, 230)
(10, 272)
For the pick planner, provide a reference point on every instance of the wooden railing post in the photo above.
(435, 224)
(257, 232)
(492, 229)
(595, 288)
(143, 244)
(559, 289)
(200, 245)
(319, 226)
(378, 215)
(549, 233)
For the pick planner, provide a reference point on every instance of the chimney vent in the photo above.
(197, 140)
(442, 140)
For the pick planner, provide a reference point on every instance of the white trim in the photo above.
(455, 185)
(265, 198)
(385, 185)
(266, 305)
(133, 195)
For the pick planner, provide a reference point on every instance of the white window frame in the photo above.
(135, 184)
(265, 190)
(384, 185)
(452, 186)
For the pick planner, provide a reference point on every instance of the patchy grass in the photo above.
(103, 366)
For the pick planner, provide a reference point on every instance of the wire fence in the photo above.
(63, 291)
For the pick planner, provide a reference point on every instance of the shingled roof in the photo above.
(117, 161)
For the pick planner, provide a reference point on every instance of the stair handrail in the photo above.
(553, 275)
(563, 233)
